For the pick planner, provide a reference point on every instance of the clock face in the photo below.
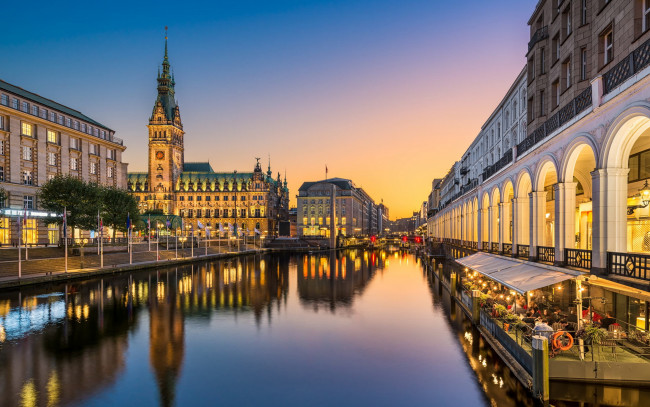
(160, 155)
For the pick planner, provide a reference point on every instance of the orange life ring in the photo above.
(556, 340)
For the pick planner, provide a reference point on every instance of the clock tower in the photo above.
(165, 142)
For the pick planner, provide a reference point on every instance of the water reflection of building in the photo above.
(333, 279)
(166, 339)
(61, 347)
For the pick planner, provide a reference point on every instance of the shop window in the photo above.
(52, 233)
(4, 231)
(30, 232)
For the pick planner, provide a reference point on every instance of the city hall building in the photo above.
(193, 190)
(573, 190)
(40, 139)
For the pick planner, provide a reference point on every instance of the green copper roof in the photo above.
(25, 94)
(197, 167)
(342, 183)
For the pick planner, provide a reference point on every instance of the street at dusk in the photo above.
(323, 203)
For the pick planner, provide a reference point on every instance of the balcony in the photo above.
(539, 35)
(494, 168)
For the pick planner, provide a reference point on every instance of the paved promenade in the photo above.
(47, 264)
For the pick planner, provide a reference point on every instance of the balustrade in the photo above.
(578, 258)
(546, 254)
(629, 265)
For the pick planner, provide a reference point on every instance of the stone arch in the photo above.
(494, 214)
(475, 219)
(523, 184)
(573, 151)
(547, 164)
(485, 218)
(622, 134)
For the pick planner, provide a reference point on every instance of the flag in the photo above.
(257, 231)
(128, 222)
(168, 223)
(207, 233)
(149, 222)
(221, 227)
(201, 226)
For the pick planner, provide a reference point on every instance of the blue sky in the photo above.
(381, 91)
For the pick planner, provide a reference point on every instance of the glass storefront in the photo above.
(30, 232)
(53, 233)
(4, 231)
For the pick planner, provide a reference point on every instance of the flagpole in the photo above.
(25, 240)
(98, 226)
(206, 240)
(20, 236)
(176, 245)
(192, 240)
(149, 231)
(128, 237)
(65, 235)
(101, 243)
(157, 237)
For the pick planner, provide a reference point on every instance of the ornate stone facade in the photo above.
(193, 190)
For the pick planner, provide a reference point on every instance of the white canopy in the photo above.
(518, 275)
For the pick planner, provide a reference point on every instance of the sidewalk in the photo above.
(53, 269)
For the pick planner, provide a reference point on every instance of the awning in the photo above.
(619, 288)
(518, 275)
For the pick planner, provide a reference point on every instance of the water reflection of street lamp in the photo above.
(645, 199)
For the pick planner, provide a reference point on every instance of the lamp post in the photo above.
(176, 245)
(157, 238)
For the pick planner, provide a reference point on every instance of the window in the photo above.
(542, 61)
(645, 21)
(531, 68)
(4, 100)
(566, 21)
(243, 198)
(639, 165)
(566, 70)
(60, 119)
(583, 12)
(243, 213)
(52, 117)
(2, 147)
(28, 202)
(27, 177)
(93, 168)
(109, 172)
(76, 125)
(26, 129)
(216, 198)
(52, 137)
(608, 46)
(199, 213)
(556, 47)
(198, 198)
(2, 122)
(225, 198)
(43, 113)
(25, 107)
(27, 153)
(207, 199)
(111, 154)
(51, 158)
(74, 163)
(542, 99)
(531, 109)
(207, 213)
(190, 213)
(181, 198)
(583, 64)
(35, 110)
(190, 198)
(555, 93)
(83, 127)
(2, 173)
(94, 149)
(68, 122)
(74, 143)
(14, 103)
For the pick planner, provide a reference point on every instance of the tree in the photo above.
(79, 198)
(116, 205)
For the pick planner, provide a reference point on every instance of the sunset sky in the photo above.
(388, 93)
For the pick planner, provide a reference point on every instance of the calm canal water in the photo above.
(347, 329)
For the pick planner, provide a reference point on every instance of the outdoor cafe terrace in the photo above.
(587, 320)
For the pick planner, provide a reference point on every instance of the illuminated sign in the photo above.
(30, 213)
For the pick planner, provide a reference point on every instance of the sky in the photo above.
(388, 93)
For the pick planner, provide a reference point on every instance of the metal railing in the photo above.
(539, 35)
(578, 258)
(507, 249)
(485, 246)
(512, 346)
(494, 168)
(523, 251)
(579, 104)
(633, 63)
(629, 265)
(546, 254)
(495, 247)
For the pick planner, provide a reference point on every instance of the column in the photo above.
(502, 225)
(565, 209)
(482, 213)
(490, 223)
(537, 212)
(609, 216)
